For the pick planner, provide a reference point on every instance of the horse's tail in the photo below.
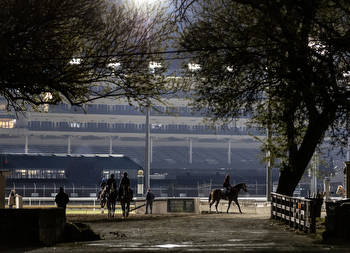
(209, 197)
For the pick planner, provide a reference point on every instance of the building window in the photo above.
(38, 174)
(106, 173)
(74, 125)
(7, 123)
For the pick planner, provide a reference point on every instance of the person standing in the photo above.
(12, 199)
(149, 201)
(62, 199)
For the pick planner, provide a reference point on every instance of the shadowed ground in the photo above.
(192, 232)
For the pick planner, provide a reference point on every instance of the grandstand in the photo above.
(185, 151)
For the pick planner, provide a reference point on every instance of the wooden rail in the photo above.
(295, 212)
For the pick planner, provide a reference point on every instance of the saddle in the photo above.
(224, 193)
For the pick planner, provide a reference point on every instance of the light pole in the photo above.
(147, 149)
(152, 66)
(268, 167)
(268, 153)
(313, 174)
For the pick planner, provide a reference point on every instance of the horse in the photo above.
(125, 197)
(341, 191)
(218, 194)
(112, 195)
(109, 197)
(102, 196)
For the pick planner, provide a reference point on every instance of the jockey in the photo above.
(103, 183)
(125, 181)
(227, 184)
(111, 183)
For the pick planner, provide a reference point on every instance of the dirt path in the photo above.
(197, 232)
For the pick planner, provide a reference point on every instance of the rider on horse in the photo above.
(103, 183)
(124, 182)
(111, 183)
(227, 184)
(125, 194)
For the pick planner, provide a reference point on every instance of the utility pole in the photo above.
(314, 169)
(268, 153)
(147, 149)
(268, 167)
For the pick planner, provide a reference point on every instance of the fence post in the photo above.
(347, 178)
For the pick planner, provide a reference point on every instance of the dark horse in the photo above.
(102, 198)
(109, 197)
(125, 197)
(217, 194)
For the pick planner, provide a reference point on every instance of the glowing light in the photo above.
(154, 65)
(229, 69)
(7, 123)
(194, 66)
(114, 65)
(141, 2)
(75, 61)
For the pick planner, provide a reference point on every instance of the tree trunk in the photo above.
(288, 181)
(292, 173)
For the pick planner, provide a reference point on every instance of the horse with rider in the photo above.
(229, 193)
(110, 194)
(125, 194)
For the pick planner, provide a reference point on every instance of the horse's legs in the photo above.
(239, 208)
(229, 204)
(123, 207)
(210, 204)
(112, 209)
(127, 208)
(108, 209)
(109, 206)
(216, 205)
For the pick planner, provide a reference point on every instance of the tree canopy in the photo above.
(65, 50)
(284, 62)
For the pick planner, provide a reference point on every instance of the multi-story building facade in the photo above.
(185, 152)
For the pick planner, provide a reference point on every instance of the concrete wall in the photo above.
(32, 226)
(160, 206)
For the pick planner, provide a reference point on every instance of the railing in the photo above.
(296, 212)
(79, 205)
(92, 204)
(51, 189)
(50, 201)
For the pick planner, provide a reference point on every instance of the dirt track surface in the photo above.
(192, 232)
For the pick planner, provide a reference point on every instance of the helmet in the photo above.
(112, 175)
(125, 174)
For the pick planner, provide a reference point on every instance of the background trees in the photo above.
(284, 62)
(66, 50)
